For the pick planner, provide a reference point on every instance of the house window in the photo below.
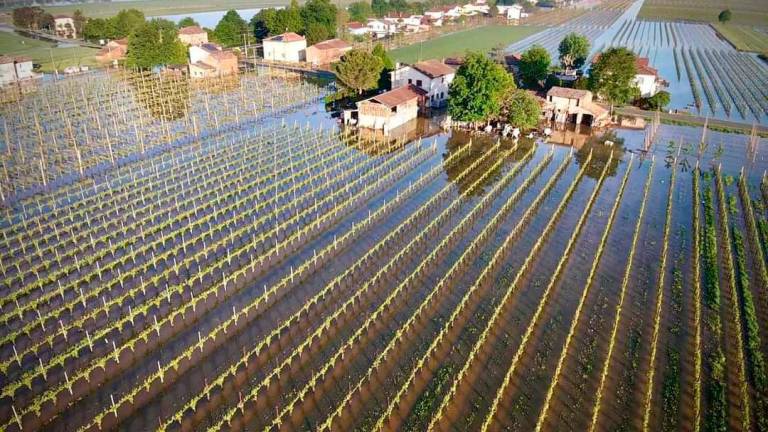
(418, 83)
(410, 81)
(577, 102)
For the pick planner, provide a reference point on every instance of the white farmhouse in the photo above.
(381, 28)
(14, 69)
(289, 47)
(647, 78)
(513, 12)
(357, 29)
(64, 26)
(432, 76)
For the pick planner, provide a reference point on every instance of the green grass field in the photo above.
(744, 38)
(457, 44)
(164, 7)
(745, 12)
(46, 53)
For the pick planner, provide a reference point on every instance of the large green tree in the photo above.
(360, 11)
(155, 43)
(477, 90)
(388, 65)
(574, 49)
(724, 16)
(319, 13)
(359, 70)
(230, 29)
(521, 109)
(288, 20)
(534, 66)
(612, 76)
(125, 22)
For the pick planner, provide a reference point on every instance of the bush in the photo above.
(725, 16)
(655, 102)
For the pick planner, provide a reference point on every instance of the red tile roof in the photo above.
(643, 68)
(331, 44)
(286, 37)
(355, 25)
(433, 68)
(191, 30)
(398, 96)
(4, 59)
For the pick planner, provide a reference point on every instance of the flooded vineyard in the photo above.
(298, 276)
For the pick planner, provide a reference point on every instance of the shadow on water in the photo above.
(164, 98)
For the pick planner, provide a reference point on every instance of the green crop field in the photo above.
(744, 38)
(746, 12)
(46, 54)
(456, 44)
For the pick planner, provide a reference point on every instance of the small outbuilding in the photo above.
(193, 35)
(327, 52)
(113, 51)
(209, 60)
(391, 109)
(567, 105)
(288, 47)
(64, 26)
(15, 68)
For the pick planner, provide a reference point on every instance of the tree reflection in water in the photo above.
(601, 153)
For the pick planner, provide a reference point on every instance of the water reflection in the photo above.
(602, 149)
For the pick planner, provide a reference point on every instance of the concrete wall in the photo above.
(285, 51)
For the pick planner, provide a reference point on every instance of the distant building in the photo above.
(113, 51)
(391, 109)
(327, 52)
(64, 26)
(567, 105)
(432, 76)
(209, 60)
(512, 61)
(193, 35)
(381, 28)
(478, 7)
(289, 47)
(357, 29)
(15, 68)
(513, 12)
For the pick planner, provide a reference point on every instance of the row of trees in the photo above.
(35, 18)
(316, 20)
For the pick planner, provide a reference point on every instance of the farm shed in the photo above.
(113, 50)
(15, 68)
(567, 105)
(327, 52)
(209, 60)
(390, 109)
(289, 47)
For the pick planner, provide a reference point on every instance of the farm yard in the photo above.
(224, 256)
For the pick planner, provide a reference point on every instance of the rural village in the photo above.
(384, 215)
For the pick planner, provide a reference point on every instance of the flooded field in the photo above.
(297, 276)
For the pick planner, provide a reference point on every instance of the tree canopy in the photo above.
(655, 102)
(230, 29)
(316, 14)
(360, 11)
(521, 109)
(725, 16)
(316, 20)
(31, 17)
(359, 70)
(534, 66)
(155, 43)
(119, 26)
(388, 65)
(188, 22)
(477, 90)
(612, 76)
(574, 49)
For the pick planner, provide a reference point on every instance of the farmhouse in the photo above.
(193, 35)
(432, 76)
(513, 12)
(289, 47)
(327, 52)
(391, 109)
(567, 105)
(357, 29)
(64, 26)
(113, 51)
(209, 60)
(14, 69)
(381, 28)
(647, 78)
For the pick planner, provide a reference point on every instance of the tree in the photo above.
(29, 17)
(230, 30)
(493, 11)
(95, 29)
(725, 16)
(263, 22)
(359, 70)
(322, 13)
(155, 43)
(477, 90)
(534, 66)
(521, 109)
(380, 7)
(124, 23)
(288, 20)
(655, 102)
(360, 11)
(188, 22)
(574, 49)
(612, 76)
(316, 32)
(79, 19)
(388, 65)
